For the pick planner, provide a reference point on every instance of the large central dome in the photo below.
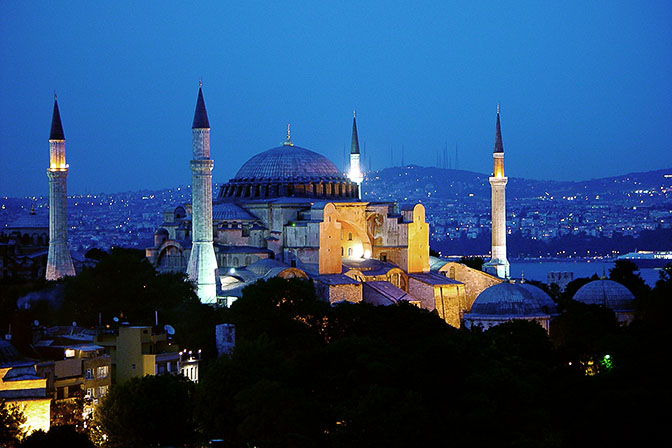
(289, 162)
(289, 171)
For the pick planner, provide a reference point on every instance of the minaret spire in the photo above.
(354, 144)
(202, 261)
(499, 147)
(355, 173)
(498, 264)
(59, 261)
(200, 115)
(56, 125)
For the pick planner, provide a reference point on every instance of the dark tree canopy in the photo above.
(11, 419)
(473, 262)
(153, 410)
(57, 436)
(123, 284)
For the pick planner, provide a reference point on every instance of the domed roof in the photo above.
(511, 299)
(264, 265)
(606, 293)
(547, 304)
(288, 163)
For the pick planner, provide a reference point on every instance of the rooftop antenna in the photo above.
(457, 166)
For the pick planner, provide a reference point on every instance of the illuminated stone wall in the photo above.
(350, 293)
(330, 242)
(418, 242)
(475, 281)
(445, 299)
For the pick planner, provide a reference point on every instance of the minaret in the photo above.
(498, 264)
(355, 173)
(202, 262)
(59, 262)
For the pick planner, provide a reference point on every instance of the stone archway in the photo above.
(170, 258)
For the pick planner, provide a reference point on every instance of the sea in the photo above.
(539, 269)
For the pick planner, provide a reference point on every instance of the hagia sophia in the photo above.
(290, 212)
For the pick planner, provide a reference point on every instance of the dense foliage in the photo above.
(306, 374)
(57, 436)
(11, 419)
(148, 411)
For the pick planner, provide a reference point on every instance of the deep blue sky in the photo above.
(585, 87)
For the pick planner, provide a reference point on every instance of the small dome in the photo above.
(547, 304)
(511, 300)
(289, 163)
(606, 293)
(161, 231)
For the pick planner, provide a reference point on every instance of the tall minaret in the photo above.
(59, 262)
(355, 173)
(202, 262)
(498, 264)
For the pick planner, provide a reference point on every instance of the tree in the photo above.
(655, 309)
(57, 436)
(68, 412)
(96, 254)
(147, 411)
(473, 262)
(624, 272)
(584, 331)
(11, 419)
(123, 283)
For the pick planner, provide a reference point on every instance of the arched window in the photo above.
(452, 272)
(350, 236)
(235, 262)
(349, 251)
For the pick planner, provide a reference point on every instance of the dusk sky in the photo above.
(585, 87)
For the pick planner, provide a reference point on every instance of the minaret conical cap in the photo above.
(499, 147)
(201, 115)
(56, 125)
(354, 146)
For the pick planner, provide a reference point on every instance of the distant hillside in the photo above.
(450, 183)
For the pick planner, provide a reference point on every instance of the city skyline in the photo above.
(583, 90)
